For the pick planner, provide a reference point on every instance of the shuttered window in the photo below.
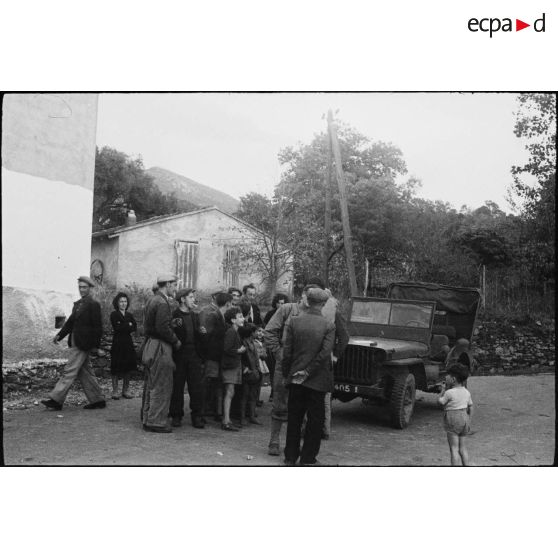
(231, 267)
(187, 256)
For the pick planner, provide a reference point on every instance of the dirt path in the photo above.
(514, 424)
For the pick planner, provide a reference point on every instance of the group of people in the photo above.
(222, 353)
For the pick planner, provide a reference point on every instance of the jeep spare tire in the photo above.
(402, 400)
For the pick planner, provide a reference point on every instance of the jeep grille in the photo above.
(359, 365)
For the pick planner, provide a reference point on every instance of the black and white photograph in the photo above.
(278, 279)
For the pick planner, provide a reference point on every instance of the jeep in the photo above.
(399, 344)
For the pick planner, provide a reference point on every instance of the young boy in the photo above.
(251, 375)
(231, 366)
(458, 411)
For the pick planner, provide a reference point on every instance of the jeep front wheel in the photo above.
(402, 400)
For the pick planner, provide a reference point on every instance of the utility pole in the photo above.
(327, 224)
(347, 238)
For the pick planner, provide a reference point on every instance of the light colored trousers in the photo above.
(78, 367)
(159, 368)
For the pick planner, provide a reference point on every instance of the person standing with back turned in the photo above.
(308, 344)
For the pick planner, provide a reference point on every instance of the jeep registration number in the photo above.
(346, 388)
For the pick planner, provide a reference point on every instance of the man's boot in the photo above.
(274, 440)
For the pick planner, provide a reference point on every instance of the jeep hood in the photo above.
(391, 349)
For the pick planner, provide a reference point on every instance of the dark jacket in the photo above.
(231, 357)
(84, 325)
(158, 319)
(212, 342)
(255, 311)
(307, 345)
(122, 353)
(182, 331)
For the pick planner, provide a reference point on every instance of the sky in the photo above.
(461, 146)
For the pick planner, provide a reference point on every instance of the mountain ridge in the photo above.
(189, 190)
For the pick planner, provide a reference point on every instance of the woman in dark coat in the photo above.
(123, 353)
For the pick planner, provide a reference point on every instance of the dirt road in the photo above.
(514, 424)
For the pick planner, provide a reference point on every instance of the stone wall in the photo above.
(501, 347)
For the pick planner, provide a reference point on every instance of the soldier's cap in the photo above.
(316, 295)
(86, 279)
(166, 277)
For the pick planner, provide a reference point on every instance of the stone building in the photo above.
(208, 249)
(48, 163)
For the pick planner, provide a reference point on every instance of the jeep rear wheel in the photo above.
(402, 400)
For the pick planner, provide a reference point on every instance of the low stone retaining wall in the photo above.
(500, 349)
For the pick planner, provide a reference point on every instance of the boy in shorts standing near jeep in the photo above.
(458, 411)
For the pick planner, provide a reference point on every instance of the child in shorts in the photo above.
(458, 411)
(231, 365)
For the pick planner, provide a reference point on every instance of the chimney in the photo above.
(131, 218)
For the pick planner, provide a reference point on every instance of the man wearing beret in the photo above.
(85, 329)
(308, 344)
(157, 356)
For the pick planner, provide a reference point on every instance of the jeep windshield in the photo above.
(404, 314)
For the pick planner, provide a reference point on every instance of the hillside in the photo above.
(192, 191)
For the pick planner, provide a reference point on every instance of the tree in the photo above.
(121, 184)
(536, 121)
(370, 169)
(266, 251)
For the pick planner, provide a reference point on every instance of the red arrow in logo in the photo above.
(519, 25)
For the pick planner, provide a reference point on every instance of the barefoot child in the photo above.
(458, 411)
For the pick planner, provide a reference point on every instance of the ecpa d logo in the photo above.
(492, 25)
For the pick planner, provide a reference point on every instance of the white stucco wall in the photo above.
(48, 161)
(46, 232)
(146, 251)
(106, 250)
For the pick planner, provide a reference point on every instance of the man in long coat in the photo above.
(157, 356)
